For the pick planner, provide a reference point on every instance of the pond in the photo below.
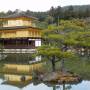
(15, 73)
(84, 85)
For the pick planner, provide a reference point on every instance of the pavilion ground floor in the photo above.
(20, 44)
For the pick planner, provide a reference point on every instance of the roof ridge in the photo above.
(18, 14)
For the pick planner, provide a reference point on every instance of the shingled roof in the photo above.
(18, 27)
(17, 15)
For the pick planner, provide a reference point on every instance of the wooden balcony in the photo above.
(19, 47)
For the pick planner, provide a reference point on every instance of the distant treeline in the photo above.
(57, 13)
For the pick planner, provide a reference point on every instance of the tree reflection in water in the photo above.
(62, 87)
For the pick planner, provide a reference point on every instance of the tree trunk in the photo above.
(53, 63)
(62, 66)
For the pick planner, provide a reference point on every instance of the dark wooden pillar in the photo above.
(28, 44)
(3, 44)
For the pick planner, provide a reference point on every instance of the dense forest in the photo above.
(56, 13)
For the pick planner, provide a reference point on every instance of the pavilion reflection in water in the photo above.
(19, 81)
(17, 73)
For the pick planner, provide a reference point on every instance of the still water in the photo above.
(84, 85)
(17, 66)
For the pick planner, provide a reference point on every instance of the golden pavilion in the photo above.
(18, 31)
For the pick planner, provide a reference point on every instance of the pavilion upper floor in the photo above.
(20, 32)
(17, 19)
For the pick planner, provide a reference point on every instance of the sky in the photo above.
(37, 5)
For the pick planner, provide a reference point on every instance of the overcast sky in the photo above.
(37, 5)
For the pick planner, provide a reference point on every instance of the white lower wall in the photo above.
(37, 42)
(18, 51)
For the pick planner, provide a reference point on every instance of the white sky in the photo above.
(37, 5)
